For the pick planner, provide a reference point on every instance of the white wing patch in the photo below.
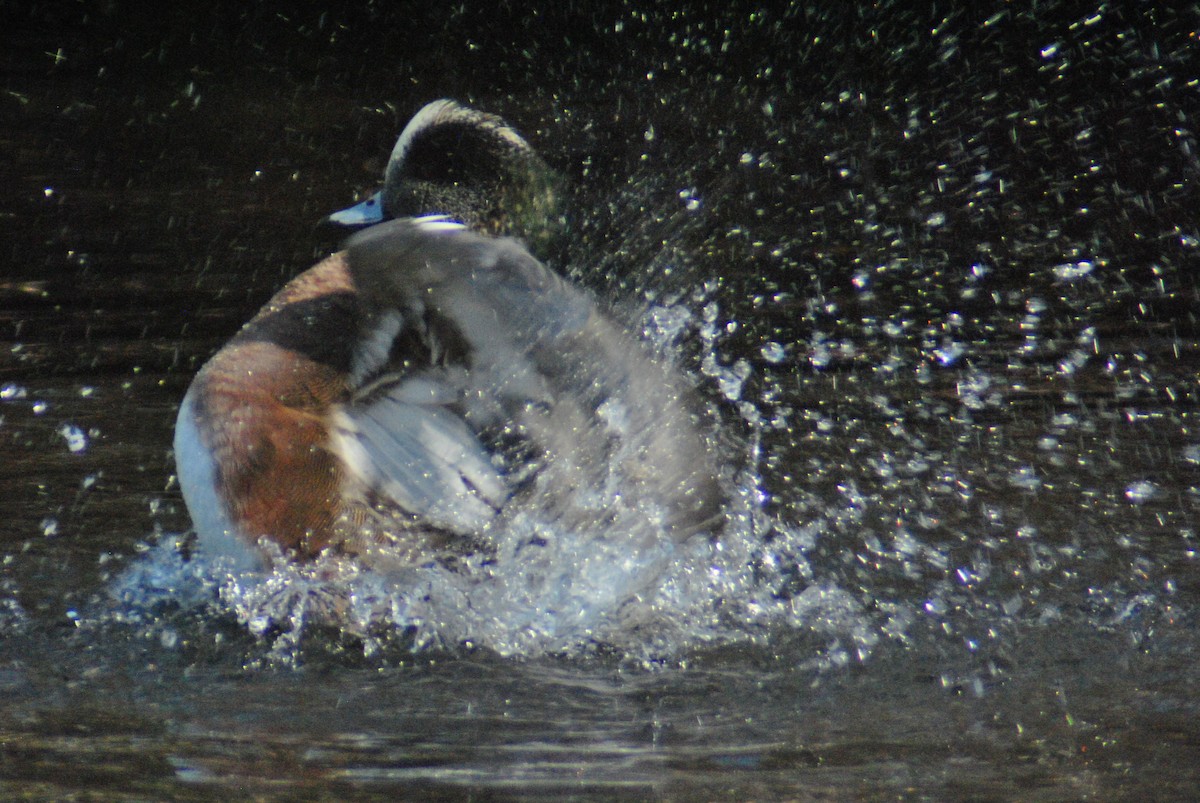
(421, 457)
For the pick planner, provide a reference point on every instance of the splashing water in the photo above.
(547, 588)
(946, 404)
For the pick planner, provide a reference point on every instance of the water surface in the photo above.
(934, 273)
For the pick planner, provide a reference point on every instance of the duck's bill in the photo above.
(367, 213)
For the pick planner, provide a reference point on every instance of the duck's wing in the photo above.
(498, 298)
(443, 365)
(408, 449)
(539, 358)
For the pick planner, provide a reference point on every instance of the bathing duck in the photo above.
(434, 379)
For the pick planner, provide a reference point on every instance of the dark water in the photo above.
(937, 271)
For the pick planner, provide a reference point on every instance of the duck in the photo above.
(433, 379)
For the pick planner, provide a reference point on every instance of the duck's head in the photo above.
(471, 166)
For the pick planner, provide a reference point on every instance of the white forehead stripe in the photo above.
(438, 223)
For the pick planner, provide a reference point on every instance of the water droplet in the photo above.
(772, 352)
(949, 353)
(1141, 492)
(1026, 478)
(731, 380)
(1070, 271)
(75, 438)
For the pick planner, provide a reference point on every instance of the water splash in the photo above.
(547, 588)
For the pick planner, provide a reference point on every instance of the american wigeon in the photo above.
(410, 392)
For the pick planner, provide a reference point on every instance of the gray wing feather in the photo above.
(425, 459)
(581, 392)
